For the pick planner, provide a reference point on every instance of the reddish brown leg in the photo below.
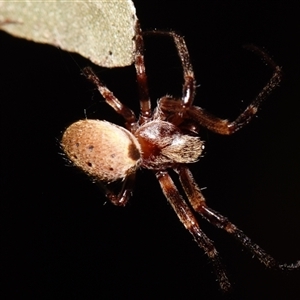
(189, 221)
(189, 86)
(124, 111)
(224, 126)
(145, 103)
(199, 205)
(124, 195)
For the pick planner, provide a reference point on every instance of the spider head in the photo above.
(164, 145)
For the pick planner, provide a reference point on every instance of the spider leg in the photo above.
(124, 195)
(199, 205)
(224, 126)
(189, 221)
(189, 86)
(111, 99)
(145, 103)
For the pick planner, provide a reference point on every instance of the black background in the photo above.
(61, 240)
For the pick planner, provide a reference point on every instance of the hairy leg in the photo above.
(199, 205)
(189, 221)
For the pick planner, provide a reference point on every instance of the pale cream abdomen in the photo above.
(104, 150)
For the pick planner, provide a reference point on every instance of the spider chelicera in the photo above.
(160, 140)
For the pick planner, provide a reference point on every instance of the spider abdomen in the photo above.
(101, 149)
(163, 145)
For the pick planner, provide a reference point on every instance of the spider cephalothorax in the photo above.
(162, 140)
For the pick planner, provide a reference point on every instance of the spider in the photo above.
(163, 139)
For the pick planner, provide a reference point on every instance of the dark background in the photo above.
(61, 240)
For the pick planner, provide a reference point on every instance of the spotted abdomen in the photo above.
(101, 149)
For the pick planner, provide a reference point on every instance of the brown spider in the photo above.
(160, 140)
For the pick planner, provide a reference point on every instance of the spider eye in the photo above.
(101, 149)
